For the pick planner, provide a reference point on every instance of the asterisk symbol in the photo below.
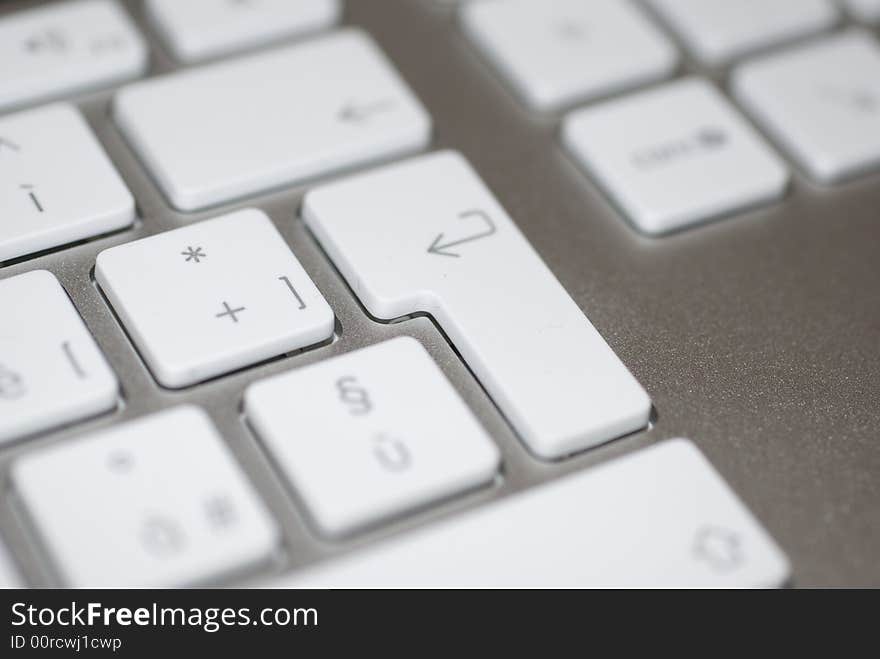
(193, 254)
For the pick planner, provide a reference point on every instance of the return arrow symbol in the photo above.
(442, 248)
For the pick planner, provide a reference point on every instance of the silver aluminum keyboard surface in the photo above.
(757, 336)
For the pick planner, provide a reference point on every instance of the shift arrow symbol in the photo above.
(356, 113)
(441, 247)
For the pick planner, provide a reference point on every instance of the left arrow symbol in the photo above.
(356, 113)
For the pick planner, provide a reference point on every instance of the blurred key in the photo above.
(821, 101)
(557, 53)
(66, 47)
(198, 29)
(661, 518)
(717, 31)
(675, 155)
(155, 502)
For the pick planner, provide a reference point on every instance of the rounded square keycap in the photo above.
(821, 101)
(675, 155)
(556, 53)
(65, 47)
(156, 502)
(56, 183)
(52, 372)
(371, 434)
(213, 297)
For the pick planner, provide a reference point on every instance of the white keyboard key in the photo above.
(66, 47)
(213, 297)
(821, 102)
(51, 371)
(557, 53)
(197, 29)
(56, 183)
(717, 31)
(428, 236)
(659, 518)
(675, 155)
(9, 577)
(271, 119)
(376, 432)
(864, 10)
(156, 502)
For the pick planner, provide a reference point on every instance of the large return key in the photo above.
(427, 236)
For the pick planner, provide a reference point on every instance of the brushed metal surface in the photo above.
(757, 336)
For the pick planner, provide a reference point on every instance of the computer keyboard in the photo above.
(304, 294)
